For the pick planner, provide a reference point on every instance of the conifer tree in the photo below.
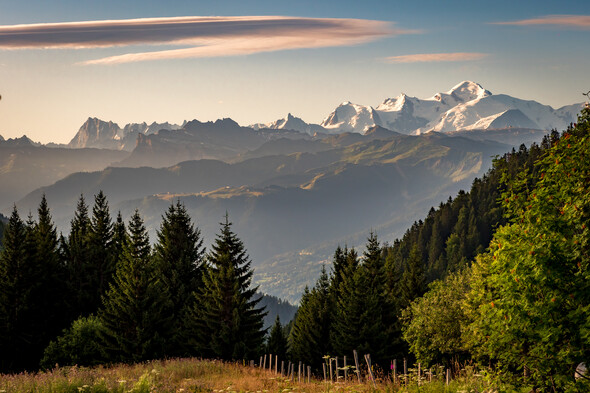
(277, 341)
(101, 259)
(52, 313)
(136, 310)
(179, 257)
(76, 250)
(225, 320)
(17, 279)
(119, 238)
(310, 335)
(412, 284)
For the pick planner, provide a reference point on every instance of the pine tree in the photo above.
(179, 257)
(101, 259)
(77, 251)
(310, 336)
(277, 341)
(17, 279)
(412, 284)
(52, 311)
(136, 310)
(225, 320)
(119, 238)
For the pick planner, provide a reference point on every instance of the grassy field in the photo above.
(192, 375)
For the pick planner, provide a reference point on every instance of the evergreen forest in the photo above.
(497, 276)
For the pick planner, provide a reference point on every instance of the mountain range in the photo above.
(293, 190)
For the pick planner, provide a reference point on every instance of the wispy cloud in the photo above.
(204, 36)
(436, 57)
(568, 21)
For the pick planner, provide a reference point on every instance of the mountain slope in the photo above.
(285, 204)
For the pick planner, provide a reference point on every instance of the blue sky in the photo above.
(48, 93)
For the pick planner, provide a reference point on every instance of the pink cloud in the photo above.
(572, 21)
(436, 57)
(205, 36)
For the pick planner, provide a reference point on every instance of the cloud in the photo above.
(199, 36)
(569, 21)
(436, 57)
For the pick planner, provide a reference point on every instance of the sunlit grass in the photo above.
(193, 375)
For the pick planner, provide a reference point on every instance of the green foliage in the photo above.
(225, 320)
(309, 340)
(178, 255)
(136, 310)
(101, 252)
(277, 340)
(433, 323)
(530, 300)
(80, 345)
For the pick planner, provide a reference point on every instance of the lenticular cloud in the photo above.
(197, 36)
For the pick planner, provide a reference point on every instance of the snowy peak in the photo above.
(349, 117)
(466, 106)
(468, 91)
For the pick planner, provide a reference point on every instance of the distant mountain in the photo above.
(466, 106)
(26, 166)
(290, 122)
(23, 141)
(223, 139)
(296, 202)
(108, 135)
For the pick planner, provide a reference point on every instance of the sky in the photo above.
(131, 61)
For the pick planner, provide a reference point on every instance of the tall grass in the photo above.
(193, 375)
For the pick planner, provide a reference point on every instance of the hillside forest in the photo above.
(497, 276)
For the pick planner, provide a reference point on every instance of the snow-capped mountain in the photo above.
(466, 106)
(290, 122)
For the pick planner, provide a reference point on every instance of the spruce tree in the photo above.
(119, 238)
(179, 257)
(77, 253)
(136, 309)
(101, 259)
(52, 312)
(277, 341)
(17, 280)
(225, 320)
(310, 335)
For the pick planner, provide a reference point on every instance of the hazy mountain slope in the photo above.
(285, 204)
(221, 140)
(24, 168)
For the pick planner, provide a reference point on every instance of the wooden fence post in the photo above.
(308, 374)
(331, 371)
(406, 371)
(260, 364)
(282, 367)
(356, 362)
(299, 373)
(419, 373)
(336, 360)
(345, 369)
(368, 360)
(448, 376)
(276, 364)
(394, 371)
(324, 367)
(264, 365)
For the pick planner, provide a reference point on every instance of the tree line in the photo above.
(103, 294)
(497, 276)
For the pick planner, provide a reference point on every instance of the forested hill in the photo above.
(358, 305)
(496, 277)
(454, 233)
